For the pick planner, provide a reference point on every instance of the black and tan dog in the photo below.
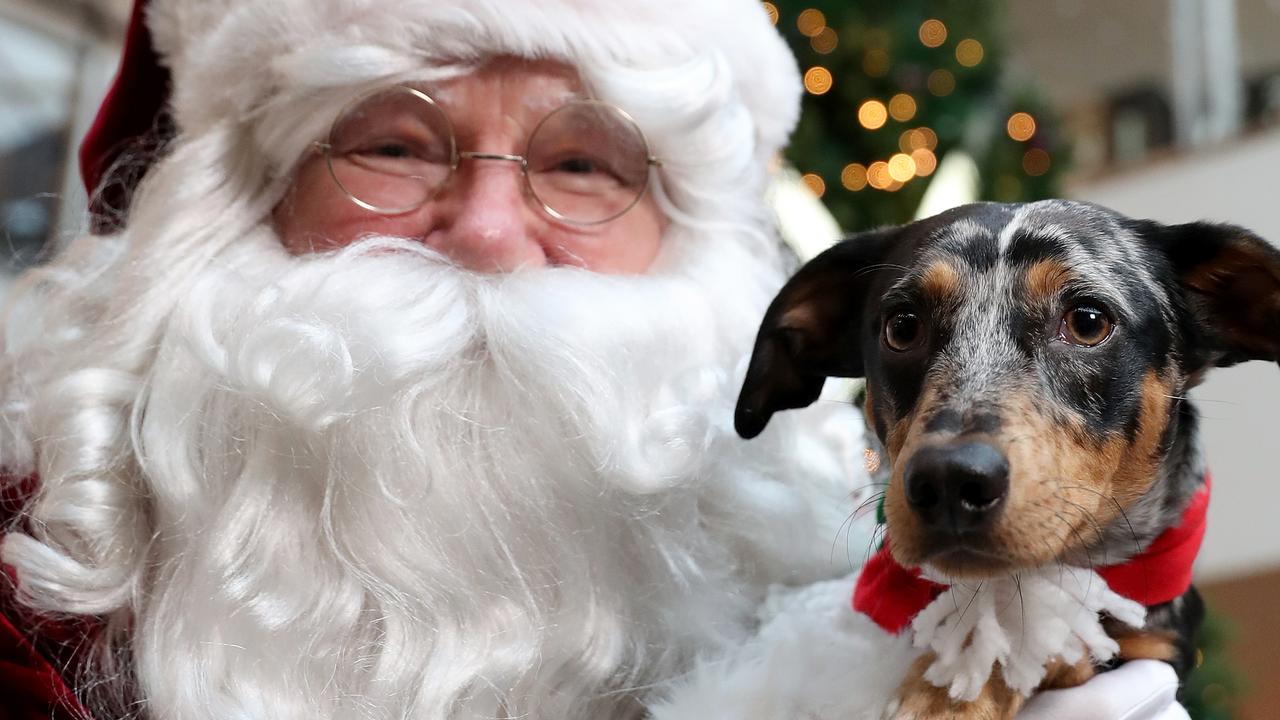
(1027, 368)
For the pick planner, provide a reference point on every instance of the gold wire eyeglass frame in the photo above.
(456, 156)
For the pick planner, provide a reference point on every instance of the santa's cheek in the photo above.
(628, 245)
(310, 221)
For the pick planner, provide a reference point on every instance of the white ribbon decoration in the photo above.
(1020, 622)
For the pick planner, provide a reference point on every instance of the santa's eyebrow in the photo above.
(555, 101)
(538, 103)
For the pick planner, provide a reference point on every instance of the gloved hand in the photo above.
(1137, 690)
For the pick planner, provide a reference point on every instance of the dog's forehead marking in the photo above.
(992, 247)
(1046, 278)
(941, 281)
(1105, 256)
(956, 240)
(1031, 218)
(1101, 255)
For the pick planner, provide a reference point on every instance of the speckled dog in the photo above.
(1027, 369)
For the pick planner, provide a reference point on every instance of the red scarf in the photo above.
(893, 595)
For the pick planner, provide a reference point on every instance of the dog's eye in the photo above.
(902, 331)
(1085, 325)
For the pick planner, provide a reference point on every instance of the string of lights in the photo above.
(891, 87)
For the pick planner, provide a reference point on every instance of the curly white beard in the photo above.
(380, 486)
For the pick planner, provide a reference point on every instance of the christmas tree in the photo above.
(893, 86)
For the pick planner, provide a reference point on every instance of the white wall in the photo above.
(1240, 183)
(1077, 51)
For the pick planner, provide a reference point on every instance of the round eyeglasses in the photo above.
(392, 151)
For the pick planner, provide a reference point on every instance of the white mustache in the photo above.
(323, 338)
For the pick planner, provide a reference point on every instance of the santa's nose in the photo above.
(484, 218)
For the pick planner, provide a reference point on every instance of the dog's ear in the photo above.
(1231, 281)
(811, 331)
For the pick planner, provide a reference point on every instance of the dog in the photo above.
(1027, 367)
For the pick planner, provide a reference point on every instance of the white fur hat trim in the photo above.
(228, 57)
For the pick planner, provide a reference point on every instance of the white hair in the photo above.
(370, 484)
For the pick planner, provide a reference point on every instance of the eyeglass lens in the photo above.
(392, 152)
(586, 162)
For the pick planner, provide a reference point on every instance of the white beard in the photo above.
(383, 487)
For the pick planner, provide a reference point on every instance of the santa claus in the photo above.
(396, 378)
(401, 384)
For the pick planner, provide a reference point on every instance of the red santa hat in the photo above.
(131, 111)
(200, 62)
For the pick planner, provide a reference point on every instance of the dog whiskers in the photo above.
(877, 535)
(968, 605)
(1098, 532)
(1200, 399)
(878, 267)
(850, 519)
(1022, 609)
(1084, 547)
(1137, 544)
(859, 489)
(1058, 493)
(1088, 556)
(862, 506)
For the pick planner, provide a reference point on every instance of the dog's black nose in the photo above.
(957, 486)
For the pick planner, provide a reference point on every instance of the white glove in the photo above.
(1137, 690)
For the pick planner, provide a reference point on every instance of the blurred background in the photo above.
(1167, 109)
(57, 58)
